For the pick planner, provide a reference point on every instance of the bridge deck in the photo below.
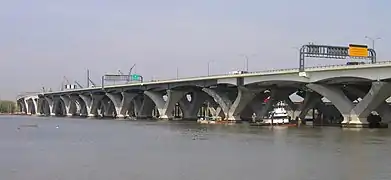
(249, 74)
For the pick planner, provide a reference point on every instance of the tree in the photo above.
(7, 106)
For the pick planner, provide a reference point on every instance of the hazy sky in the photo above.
(43, 40)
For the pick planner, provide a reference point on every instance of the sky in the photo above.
(42, 41)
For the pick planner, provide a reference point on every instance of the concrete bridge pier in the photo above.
(28, 107)
(40, 106)
(190, 109)
(36, 105)
(383, 110)
(127, 103)
(122, 102)
(216, 111)
(294, 109)
(59, 108)
(311, 99)
(355, 115)
(165, 108)
(91, 101)
(70, 106)
(22, 105)
(116, 100)
(244, 97)
(233, 110)
(43, 107)
(105, 108)
(50, 103)
(143, 108)
(77, 105)
(222, 99)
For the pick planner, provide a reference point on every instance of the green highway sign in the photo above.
(135, 77)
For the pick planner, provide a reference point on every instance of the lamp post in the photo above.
(209, 66)
(177, 73)
(246, 59)
(373, 40)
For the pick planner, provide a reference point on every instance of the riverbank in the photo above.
(11, 114)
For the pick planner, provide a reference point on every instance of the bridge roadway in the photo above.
(232, 97)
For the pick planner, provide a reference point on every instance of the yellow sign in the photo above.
(358, 50)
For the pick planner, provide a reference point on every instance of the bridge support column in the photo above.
(28, 107)
(311, 99)
(143, 109)
(23, 105)
(91, 102)
(57, 102)
(121, 102)
(191, 109)
(126, 102)
(116, 99)
(40, 108)
(35, 102)
(76, 107)
(355, 116)
(165, 108)
(383, 110)
(51, 106)
(294, 109)
(233, 109)
(106, 108)
(67, 103)
(216, 111)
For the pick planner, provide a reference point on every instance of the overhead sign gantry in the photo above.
(336, 52)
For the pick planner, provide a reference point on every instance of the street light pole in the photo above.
(373, 40)
(209, 67)
(177, 73)
(245, 56)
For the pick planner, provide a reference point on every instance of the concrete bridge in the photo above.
(355, 90)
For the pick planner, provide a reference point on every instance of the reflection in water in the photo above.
(108, 149)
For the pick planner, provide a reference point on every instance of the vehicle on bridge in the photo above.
(354, 63)
(238, 72)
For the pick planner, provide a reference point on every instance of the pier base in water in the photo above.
(370, 125)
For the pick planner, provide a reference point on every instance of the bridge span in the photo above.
(356, 91)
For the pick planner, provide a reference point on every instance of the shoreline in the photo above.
(12, 114)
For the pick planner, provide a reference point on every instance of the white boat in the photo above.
(279, 115)
(207, 120)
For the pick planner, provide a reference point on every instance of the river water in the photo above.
(89, 149)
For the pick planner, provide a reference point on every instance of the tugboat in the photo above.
(279, 116)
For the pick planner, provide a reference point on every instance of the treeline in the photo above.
(7, 106)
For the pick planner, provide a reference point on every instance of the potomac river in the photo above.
(46, 148)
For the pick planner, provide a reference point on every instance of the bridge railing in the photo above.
(278, 70)
(25, 94)
(321, 67)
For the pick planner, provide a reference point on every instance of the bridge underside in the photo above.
(353, 104)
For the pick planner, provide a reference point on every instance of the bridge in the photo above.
(356, 91)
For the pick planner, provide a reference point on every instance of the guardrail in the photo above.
(22, 95)
(281, 70)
